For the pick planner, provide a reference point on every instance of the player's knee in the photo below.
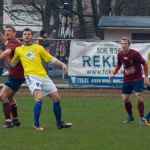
(39, 98)
(38, 95)
(139, 97)
(55, 96)
(126, 99)
(12, 101)
(3, 98)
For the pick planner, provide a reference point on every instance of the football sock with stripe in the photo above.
(128, 107)
(57, 112)
(141, 108)
(6, 110)
(37, 112)
(14, 111)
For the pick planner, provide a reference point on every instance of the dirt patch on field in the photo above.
(108, 92)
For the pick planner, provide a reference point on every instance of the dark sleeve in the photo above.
(139, 58)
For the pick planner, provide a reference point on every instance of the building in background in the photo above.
(134, 27)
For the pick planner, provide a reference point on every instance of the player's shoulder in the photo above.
(19, 47)
(135, 52)
(37, 46)
(16, 41)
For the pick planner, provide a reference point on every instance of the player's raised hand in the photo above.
(3, 38)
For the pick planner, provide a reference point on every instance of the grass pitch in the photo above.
(97, 125)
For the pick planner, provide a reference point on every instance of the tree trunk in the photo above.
(95, 15)
(104, 10)
(119, 5)
(105, 7)
(47, 15)
(81, 18)
(1, 14)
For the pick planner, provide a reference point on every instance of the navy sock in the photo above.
(147, 115)
(57, 112)
(37, 112)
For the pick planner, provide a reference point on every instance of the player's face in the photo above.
(9, 33)
(27, 36)
(125, 45)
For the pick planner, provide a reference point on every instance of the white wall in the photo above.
(117, 34)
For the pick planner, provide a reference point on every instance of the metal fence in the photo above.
(59, 48)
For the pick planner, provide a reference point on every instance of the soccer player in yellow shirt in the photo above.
(38, 82)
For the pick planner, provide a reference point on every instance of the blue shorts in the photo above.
(128, 87)
(14, 83)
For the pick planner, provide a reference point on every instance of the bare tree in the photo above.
(117, 7)
(104, 10)
(81, 18)
(95, 15)
(1, 14)
(104, 7)
(136, 8)
(36, 10)
(51, 9)
(49, 12)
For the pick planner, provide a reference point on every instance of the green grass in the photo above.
(97, 125)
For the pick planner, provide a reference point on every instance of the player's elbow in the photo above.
(12, 64)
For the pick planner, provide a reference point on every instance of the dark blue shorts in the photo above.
(129, 87)
(14, 83)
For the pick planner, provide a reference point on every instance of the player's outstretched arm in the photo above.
(61, 64)
(3, 38)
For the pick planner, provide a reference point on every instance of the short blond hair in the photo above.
(125, 38)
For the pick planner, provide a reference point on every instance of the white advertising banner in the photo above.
(91, 63)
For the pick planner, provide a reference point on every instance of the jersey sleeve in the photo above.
(16, 58)
(140, 58)
(45, 55)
